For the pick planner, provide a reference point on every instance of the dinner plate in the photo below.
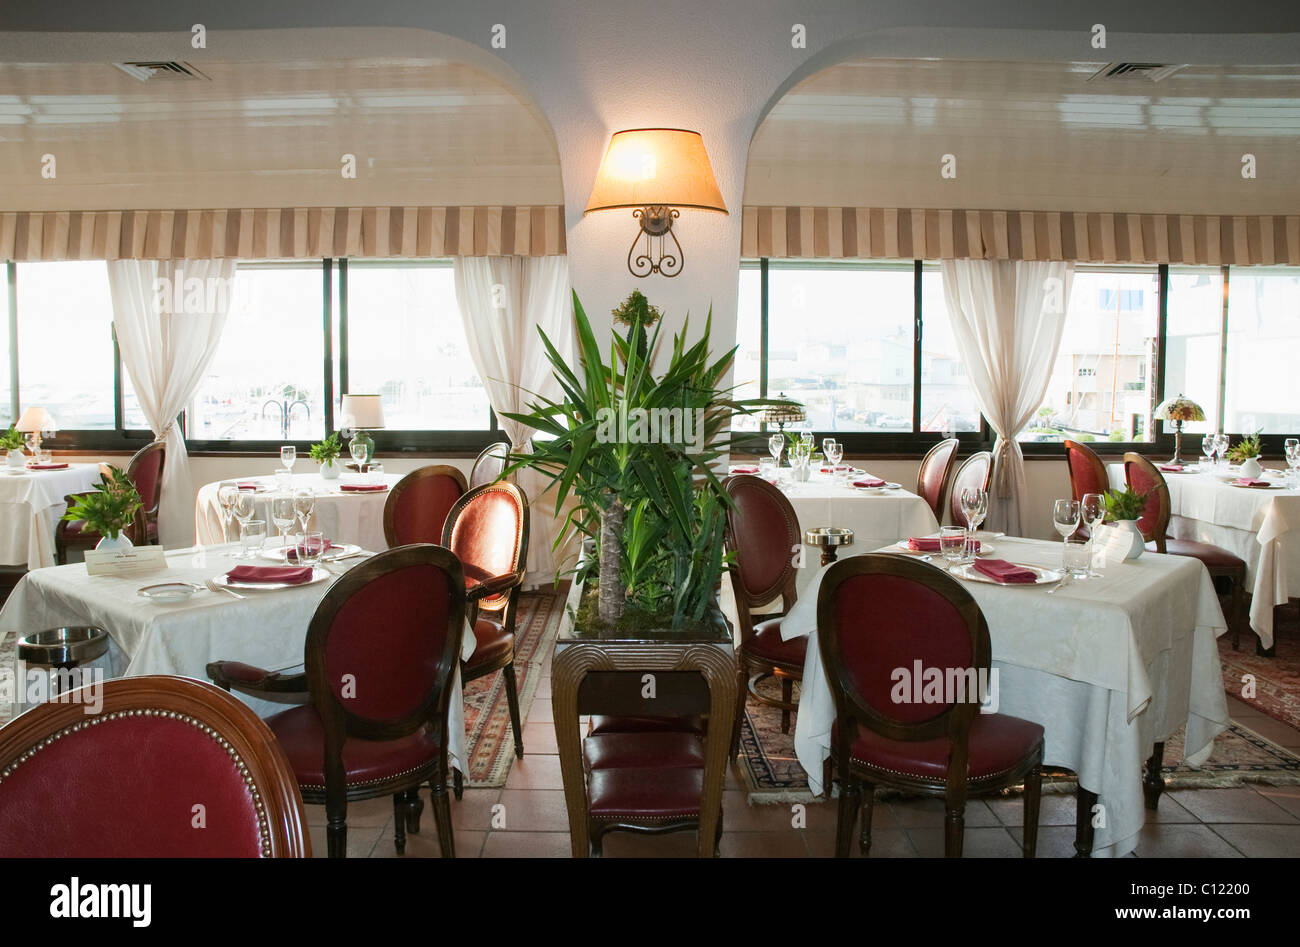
(338, 551)
(258, 488)
(1259, 486)
(985, 549)
(317, 575)
(887, 486)
(1045, 576)
(167, 592)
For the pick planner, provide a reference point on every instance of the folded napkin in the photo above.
(931, 544)
(248, 485)
(318, 547)
(46, 466)
(294, 575)
(1174, 468)
(869, 482)
(363, 487)
(834, 469)
(744, 469)
(1004, 571)
(1250, 482)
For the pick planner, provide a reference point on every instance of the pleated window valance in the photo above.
(280, 233)
(883, 233)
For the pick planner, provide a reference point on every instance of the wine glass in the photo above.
(304, 501)
(227, 490)
(283, 516)
(288, 454)
(974, 506)
(1220, 446)
(358, 452)
(807, 437)
(243, 508)
(834, 451)
(1093, 513)
(1065, 517)
(1208, 448)
(1293, 456)
(776, 444)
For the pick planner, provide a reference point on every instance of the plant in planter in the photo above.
(1123, 509)
(108, 509)
(12, 442)
(1246, 453)
(325, 453)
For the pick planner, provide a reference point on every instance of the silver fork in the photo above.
(213, 587)
(1065, 580)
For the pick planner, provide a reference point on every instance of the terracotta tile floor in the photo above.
(1261, 821)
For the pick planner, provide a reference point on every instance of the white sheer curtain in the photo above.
(169, 315)
(1007, 318)
(504, 300)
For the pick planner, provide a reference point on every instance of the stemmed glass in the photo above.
(288, 454)
(807, 437)
(1221, 446)
(1093, 513)
(1065, 517)
(776, 444)
(834, 452)
(243, 508)
(358, 452)
(227, 492)
(974, 504)
(1293, 457)
(1208, 448)
(304, 501)
(283, 516)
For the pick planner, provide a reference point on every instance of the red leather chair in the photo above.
(145, 470)
(489, 464)
(1144, 477)
(126, 782)
(762, 535)
(878, 613)
(933, 475)
(417, 505)
(975, 471)
(380, 654)
(1087, 472)
(487, 529)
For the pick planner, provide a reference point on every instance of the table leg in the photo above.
(1154, 784)
(1084, 800)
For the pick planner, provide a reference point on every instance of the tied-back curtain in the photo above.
(1007, 319)
(503, 301)
(168, 315)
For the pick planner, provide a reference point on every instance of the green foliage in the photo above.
(636, 311)
(1086, 438)
(1126, 504)
(110, 507)
(1245, 449)
(12, 440)
(327, 450)
(1117, 436)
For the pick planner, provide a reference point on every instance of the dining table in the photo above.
(1111, 666)
(31, 504)
(263, 627)
(1259, 524)
(348, 509)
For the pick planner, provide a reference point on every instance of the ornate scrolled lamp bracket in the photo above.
(656, 227)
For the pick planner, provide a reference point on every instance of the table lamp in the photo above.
(786, 412)
(34, 422)
(362, 413)
(1178, 410)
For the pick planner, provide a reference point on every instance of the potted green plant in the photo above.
(12, 442)
(1246, 454)
(108, 509)
(325, 453)
(1123, 509)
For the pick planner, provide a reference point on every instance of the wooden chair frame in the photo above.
(491, 452)
(944, 452)
(415, 476)
(954, 499)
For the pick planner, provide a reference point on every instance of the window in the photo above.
(747, 372)
(948, 403)
(1193, 341)
(1262, 390)
(406, 341)
(6, 379)
(1099, 389)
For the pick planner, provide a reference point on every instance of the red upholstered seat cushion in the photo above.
(630, 724)
(767, 644)
(1215, 557)
(649, 749)
(998, 743)
(494, 643)
(646, 795)
(364, 761)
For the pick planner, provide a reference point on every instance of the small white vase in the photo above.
(1137, 545)
(106, 544)
(16, 458)
(329, 471)
(1250, 468)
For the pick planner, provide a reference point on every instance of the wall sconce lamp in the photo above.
(656, 171)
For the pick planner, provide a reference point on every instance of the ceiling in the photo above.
(1032, 136)
(270, 134)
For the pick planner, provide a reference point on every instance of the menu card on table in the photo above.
(1112, 544)
(130, 561)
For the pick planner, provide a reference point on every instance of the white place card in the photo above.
(1113, 544)
(131, 561)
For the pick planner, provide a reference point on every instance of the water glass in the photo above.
(376, 472)
(309, 547)
(44, 456)
(1078, 558)
(284, 479)
(288, 454)
(952, 544)
(252, 537)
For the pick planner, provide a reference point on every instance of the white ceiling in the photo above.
(1032, 136)
(270, 134)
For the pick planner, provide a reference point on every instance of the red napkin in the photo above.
(46, 466)
(1004, 571)
(931, 544)
(745, 469)
(363, 487)
(834, 469)
(870, 482)
(292, 554)
(1250, 482)
(248, 485)
(1175, 468)
(294, 575)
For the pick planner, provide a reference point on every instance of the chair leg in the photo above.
(742, 682)
(457, 783)
(596, 836)
(399, 822)
(414, 808)
(336, 829)
(1238, 603)
(442, 816)
(1084, 800)
(850, 798)
(1153, 784)
(868, 803)
(954, 828)
(787, 695)
(828, 775)
(512, 698)
(1033, 796)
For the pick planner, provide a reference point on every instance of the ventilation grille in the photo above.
(145, 71)
(1130, 71)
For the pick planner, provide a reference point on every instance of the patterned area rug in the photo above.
(1276, 680)
(772, 774)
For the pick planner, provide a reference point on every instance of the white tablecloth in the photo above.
(343, 517)
(267, 629)
(31, 504)
(1261, 526)
(1109, 666)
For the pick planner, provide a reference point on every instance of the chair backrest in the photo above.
(418, 504)
(487, 468)
(1087, 472)
(127, 780)
(1144, 477)
(889, 627)
(382, 646)
(975, 471)
(145, 470)
(930, 479)
(762, 533)
(487, 529)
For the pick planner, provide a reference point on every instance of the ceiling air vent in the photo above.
(144, 71)
(1149, 71)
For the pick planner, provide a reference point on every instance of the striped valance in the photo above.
(882, 233)
(279, 233)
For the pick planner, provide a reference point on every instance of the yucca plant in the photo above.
(654, 503)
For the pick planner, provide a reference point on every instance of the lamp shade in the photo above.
(1179, 409)
(364, 412)
(646, 167)
(35, 419)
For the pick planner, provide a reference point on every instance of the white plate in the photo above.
(258, 488)
(868, 490)
(1267, 486)
(167, 592)
(340, 551)
(984, 535)
(986, 549)
(1045, 576)
(317, 575)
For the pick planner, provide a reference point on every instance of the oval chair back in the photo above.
(1144, 477)
(933, 474)
(489, 464)
(418, 504)
(975, 471)
(145, 470)
(762, 531)
(487, 529)
(124, 782)
(1087, 472)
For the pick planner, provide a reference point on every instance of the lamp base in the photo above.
(1178, 445)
